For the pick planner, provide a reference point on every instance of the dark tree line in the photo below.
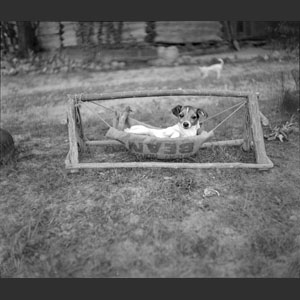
(22, 36)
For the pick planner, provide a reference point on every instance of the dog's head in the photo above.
(221, 61)
(189, 116)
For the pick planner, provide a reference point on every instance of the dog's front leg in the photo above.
(175, 135)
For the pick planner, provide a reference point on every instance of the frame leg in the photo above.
(257, 133)
(247, 133)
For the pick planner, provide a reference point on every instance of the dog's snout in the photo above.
(186, 124)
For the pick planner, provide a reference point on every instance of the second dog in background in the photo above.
(215, 68)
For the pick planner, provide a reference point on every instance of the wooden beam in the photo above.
(73, 154)
(257, 133)
(79, 129)
(236, 142)
(169, 165)
(159, 93)
(247, 132)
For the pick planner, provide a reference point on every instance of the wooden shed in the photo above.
(183, 32)
(54, 35)
(249, 29)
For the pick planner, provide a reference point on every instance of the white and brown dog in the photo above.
(189, 124)
(215, 68)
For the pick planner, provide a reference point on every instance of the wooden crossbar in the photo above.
(236, 142)
(160, 93)
(171, 165)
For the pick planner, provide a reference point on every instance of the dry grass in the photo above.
(144, 223)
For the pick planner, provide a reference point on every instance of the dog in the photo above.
(215, 68)
(189, 124)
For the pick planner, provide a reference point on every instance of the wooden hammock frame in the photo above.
(253, 134)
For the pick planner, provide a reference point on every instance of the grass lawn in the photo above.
(145, 222)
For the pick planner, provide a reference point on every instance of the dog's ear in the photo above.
(201, 113)
(176, 110)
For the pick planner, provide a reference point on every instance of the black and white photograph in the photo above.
(149, 149)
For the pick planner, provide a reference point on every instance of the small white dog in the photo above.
(189, 124)
(215, 68)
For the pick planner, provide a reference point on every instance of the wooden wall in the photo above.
(53, 35)
(188, 31)
(48, 35)
(250, 29)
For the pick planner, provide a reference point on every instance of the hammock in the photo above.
(160, 148)
(153, 147)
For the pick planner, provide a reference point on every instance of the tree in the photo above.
(150, 32)
(26, 38)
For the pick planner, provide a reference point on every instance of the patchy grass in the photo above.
(145, 223)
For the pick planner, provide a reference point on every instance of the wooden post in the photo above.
(236, 142)
(247, 132)
(75, 134)
(79, 129)
(257, 133)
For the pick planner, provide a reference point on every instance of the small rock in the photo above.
(6, 65)
(122, 64)
(275, 55)
(293, 218)
(64, 69)
(266, 57)
(106, 67)
(114, 64)
(32, 68)
(180, 60)
(297, 240)
(4, 72)
(12, 72)
(93, 66)
(43, 257)
(25, 67)
(63, 121)
(134, 219)
(228, 231)
(139, 232)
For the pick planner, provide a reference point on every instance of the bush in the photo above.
(285, 34)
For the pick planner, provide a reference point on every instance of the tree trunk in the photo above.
(4, 43)
(119, 32)
(150, 32)
(26, 38)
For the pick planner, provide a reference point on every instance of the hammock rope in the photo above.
(103, 106)
(229, 108)
(229, 116)
(99, 116)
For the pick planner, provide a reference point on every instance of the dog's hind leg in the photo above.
(205, 74)
(137, 129)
